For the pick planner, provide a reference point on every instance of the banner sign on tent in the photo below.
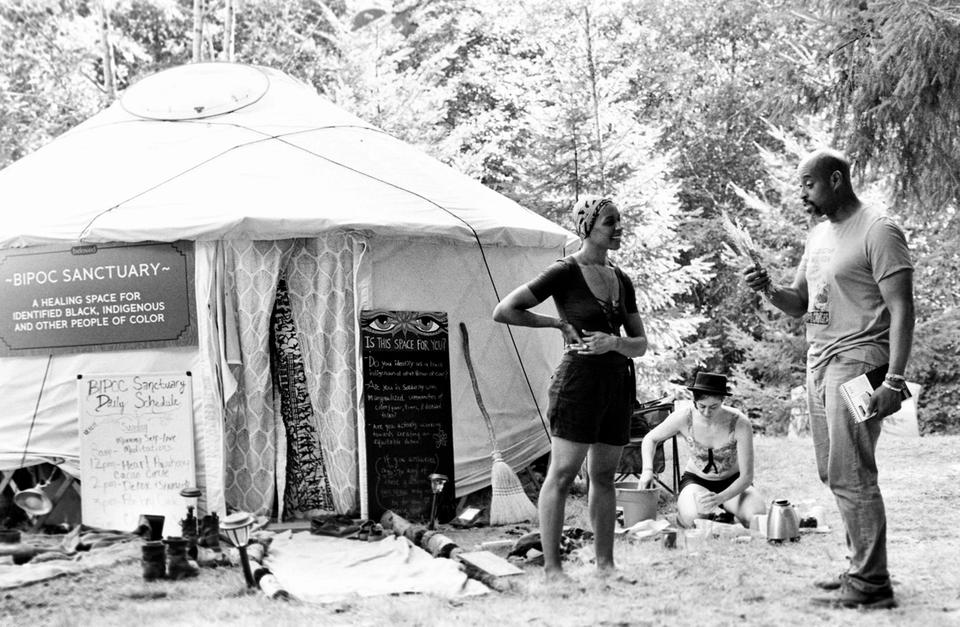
(408, 422)
(96, 297)
(136, 448)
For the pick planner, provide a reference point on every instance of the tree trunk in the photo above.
(576, 168)
(594, 90)
(109, 84)
(197, 31)
(229, 21)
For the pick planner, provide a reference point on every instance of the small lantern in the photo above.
(437, 482)
(190, 526)
(237, 528)
(192, 496)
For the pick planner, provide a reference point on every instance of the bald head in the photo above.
(823, 163)
(825, 186)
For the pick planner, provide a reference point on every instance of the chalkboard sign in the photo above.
(407, 417)
(136, 448)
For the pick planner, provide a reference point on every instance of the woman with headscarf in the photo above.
(593, 388)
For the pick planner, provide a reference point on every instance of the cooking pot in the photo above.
(782, 522)
(34, 501)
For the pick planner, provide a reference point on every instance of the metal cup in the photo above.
(669, 538)
(819, 513)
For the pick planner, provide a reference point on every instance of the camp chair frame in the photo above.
(645, 417)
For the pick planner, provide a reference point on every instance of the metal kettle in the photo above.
(782, 522)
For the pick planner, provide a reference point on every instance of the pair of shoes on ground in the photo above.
(846, 596)
(336, 525)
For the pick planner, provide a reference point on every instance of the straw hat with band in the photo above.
(710, 383)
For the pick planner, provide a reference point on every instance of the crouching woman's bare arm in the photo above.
(669, 427)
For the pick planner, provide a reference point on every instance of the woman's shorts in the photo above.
(591, 401)
(714, 485)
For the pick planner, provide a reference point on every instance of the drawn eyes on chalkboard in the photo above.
(383, 323)
(427, 325)
(405, 322)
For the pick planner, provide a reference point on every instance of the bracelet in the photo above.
(890, 387)
(895, 377)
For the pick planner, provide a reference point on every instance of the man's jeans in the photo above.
(846, 462)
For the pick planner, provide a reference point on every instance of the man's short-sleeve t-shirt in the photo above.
(843, 264)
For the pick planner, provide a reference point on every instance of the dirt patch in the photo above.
(719, 583)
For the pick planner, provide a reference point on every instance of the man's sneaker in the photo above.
(831, 584)
(853, 598)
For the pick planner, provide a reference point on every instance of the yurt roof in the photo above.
(226, 151)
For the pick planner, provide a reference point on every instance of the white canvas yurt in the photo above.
(260, 180)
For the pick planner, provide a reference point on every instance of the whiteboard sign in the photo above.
(136, 448)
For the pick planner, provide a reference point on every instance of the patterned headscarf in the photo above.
(585, 212)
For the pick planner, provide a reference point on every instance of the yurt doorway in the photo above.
(305, 486)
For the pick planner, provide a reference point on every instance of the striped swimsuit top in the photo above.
(721, 460)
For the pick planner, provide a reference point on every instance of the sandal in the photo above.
(369, 532)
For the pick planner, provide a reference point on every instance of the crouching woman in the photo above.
(719, 472)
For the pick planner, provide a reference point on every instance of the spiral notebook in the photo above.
(857, 391)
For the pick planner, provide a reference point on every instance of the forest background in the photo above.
(683, 111)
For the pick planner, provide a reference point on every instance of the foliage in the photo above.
(896, 88)
(535, 102)
(47, 77)
(935, 364)
(300, 37)
(718, 82)
(149, 36)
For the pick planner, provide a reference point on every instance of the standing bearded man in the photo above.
(854, 287)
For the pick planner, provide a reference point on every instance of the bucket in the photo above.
(637, 503)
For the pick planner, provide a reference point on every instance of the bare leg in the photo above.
(688, 504)
(566, 458)
(746, 505)
(602, 464)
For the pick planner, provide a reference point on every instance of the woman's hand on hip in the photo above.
(570, 335)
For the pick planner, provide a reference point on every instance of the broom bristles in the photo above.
(509, 502)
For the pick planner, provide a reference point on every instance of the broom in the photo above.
(509, 503)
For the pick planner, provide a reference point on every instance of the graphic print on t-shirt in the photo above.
(818, 312)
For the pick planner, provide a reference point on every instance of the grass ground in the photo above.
(718, 583)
